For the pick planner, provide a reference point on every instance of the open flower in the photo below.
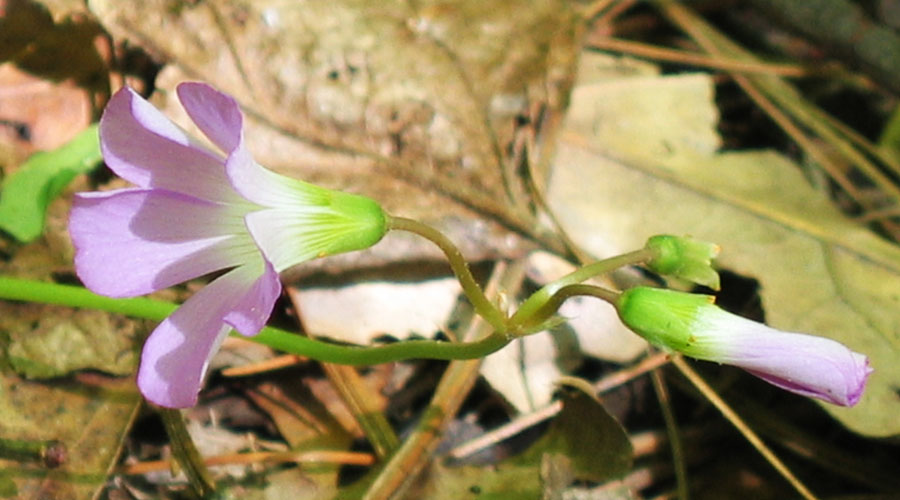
(689, 323)
(196, 211)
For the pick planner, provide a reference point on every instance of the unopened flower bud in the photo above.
(685, 258)
(691, 324)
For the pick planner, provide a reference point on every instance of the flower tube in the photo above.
(689, 323)
(195, 211)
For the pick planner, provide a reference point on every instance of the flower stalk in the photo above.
(535, 309)
(157, 310)
(483, 306)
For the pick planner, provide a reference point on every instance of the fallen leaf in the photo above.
(638, 157)
(49, 341)
(502, 481)
(89, 415)
(584, 442)
(416, 105)
(36, 114)
(596, 445)
(31, 38)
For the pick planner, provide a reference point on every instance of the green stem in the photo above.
(157, 310)
(52, 453)
(538, 299)
(483, 306)
(186, 453)
(525, 325)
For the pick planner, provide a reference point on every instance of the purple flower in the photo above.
(804, 364)
(196, 211)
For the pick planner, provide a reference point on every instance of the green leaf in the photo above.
(27, 193)
(595, 444)
(487, 483)
(639, 157)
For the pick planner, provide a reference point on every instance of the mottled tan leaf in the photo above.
(49, 341)
(88, 415)
(416, 104)
(30, 38)
(638, 158)
(36, 114)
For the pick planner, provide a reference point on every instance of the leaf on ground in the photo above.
(57, 46)
(27, 193)
(596, 445)
(37, 114)
(416, 105)
(49, 341)
(305, 423)
(583, 443)
(502, 481)
(638, 157)
(88, 415)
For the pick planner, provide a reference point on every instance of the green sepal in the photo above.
(357, 221)
(685, 258)
(665, 318)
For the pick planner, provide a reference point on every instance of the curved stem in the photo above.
(524, 325)
(186, 454)
(157, 310)
(356, 355)
(483, 306)
(604, 266)
(536, 301)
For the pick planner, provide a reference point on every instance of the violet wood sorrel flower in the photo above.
(196, 211)
(689, 323)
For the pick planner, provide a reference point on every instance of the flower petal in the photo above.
(177, 353)
(135, 241)
(808, 365)
(289, 236)
(250, 314)
(216, 114)
(144, 147)
(264, 187)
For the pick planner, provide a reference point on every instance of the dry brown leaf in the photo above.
(36, 114)
(416, 105)
(89, 415)
(46, 45)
